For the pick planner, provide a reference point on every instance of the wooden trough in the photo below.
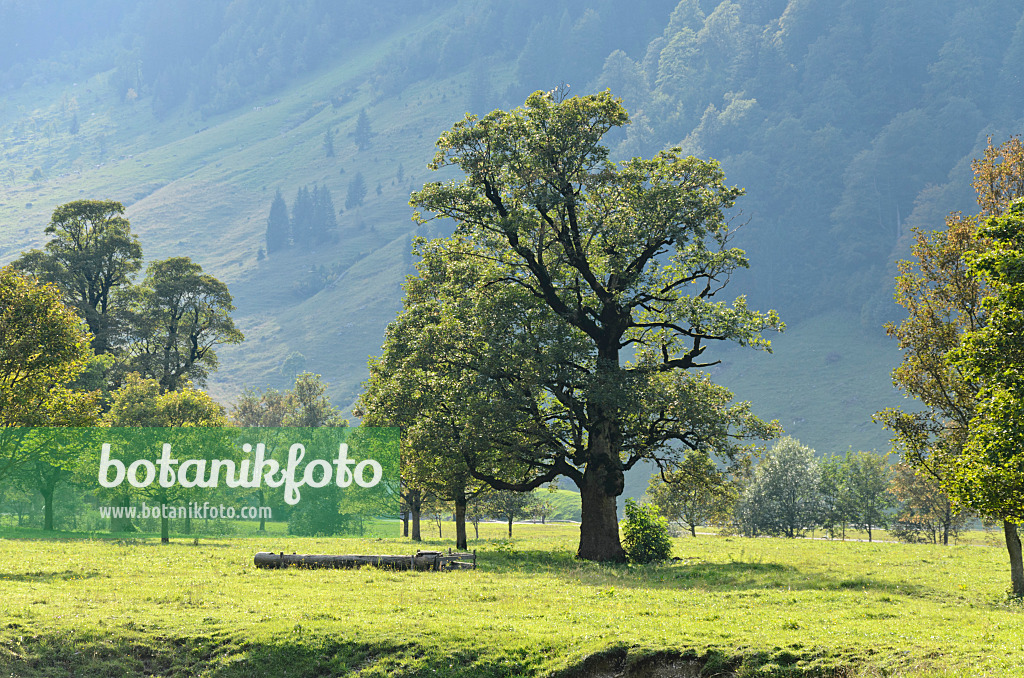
(423, 560)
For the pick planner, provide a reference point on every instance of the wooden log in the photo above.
(420, 561)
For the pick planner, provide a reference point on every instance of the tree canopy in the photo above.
(569, 315)
(177, 316)
(92, 256)
(43, 348)
(989, 475)
(960, 282)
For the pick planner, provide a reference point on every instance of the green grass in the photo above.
(736, 606)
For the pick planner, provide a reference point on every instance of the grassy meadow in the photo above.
(727, 606)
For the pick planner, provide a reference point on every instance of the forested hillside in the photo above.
(848, 123)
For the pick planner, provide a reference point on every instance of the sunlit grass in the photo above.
(135, 607)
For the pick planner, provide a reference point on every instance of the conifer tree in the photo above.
(302, 218)
(278, 229)
(363, 132)
(356, 191)
(325, 224)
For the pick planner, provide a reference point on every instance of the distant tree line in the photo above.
(165, 327)
(792, 492)
(312, 220)
(143, 347)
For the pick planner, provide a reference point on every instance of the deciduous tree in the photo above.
(572, 260)
(867, 482)
(91, 256)
(693, 492)
(783, 499)
(43, 348)
(924, 511)
(176, 318)
(143, 403)
(44, 351)
(989, 475)
(944, 302)
(308, 404)
(509, 506)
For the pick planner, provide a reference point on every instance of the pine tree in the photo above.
(278, 228)
(302, 218)
(325, 224)
(356, 191)
(363, 132)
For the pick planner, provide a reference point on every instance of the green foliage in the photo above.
(43, 348)
(693, 492)
(783, 498)
(964, 310)
(867, 481)
(176, 318)
(514, 326)
(989, 475)
(308, 404)
(313, 221)
(834, 494)
(140, 402)
(91, 256)
(278, 227)
(924, 512)
(645, 533)
(509, 506)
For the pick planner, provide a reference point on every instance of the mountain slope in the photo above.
(847, 127)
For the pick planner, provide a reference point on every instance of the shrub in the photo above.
(645, 533)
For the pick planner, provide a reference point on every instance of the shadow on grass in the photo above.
(685, 574)
(118, 538)
(48, 577)
(222, 655)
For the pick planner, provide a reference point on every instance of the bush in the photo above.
(645, 533)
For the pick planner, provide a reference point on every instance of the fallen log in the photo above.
(423, 560)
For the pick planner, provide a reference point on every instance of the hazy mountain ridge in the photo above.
(846, 127)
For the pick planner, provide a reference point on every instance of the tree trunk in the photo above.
(405, 523)
(599, 524)
(165, 526)
(1016, 566)
(693, 531)
(947, 521)
(869, 532)
(47, 509)
(263, 520)
(476, 529)
(461, 542)
(510, 527)
(416, 508)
